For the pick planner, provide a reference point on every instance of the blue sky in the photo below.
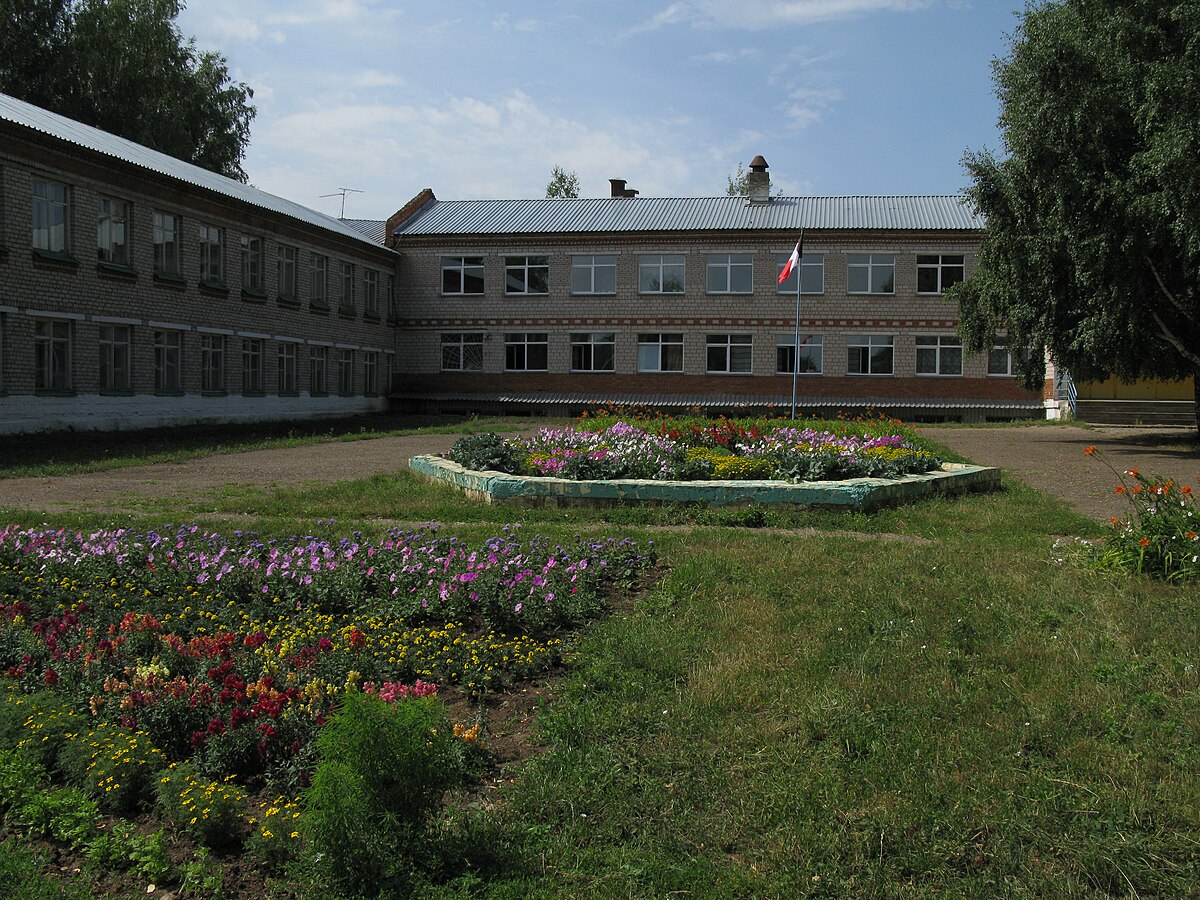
(481, 99)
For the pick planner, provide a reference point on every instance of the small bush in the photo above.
(116, 766)
(487, 452)
(38, 724)
(210, 811)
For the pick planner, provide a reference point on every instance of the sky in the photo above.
(480, 100)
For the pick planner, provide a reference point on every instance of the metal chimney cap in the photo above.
(758, 164)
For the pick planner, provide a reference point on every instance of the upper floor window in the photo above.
(811, 272)
(287, 273)
(318, 280)
(729, 354)
(811, 355)
(346, 287)
(391, 296)
(252, 267)
(526, 274)
(730, 273)
(871, 273)
(593, 275)
(166, 243)
(212, 265)
(661, 273)
(526, 351)
(869, 354)
(462, 352)
(462, 274)
(939, 354)
(112, 231)
(52, 355)
(593, 352)
(51, 216)
(116, 358)
(660, 352)
(371, 292)
(935, 273)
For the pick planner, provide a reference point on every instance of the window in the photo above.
(212, 363)
(936, 273)
(252, 267)
(391, 296)
(52, 355)
(116, 358)
(287, 368)
(593, 352)
(661, 274)
(730, 273)
(50, 217)
(526, 274)
(212, 269)
(168, 362)
(462, 274)
(371, 293)
(252, 365)
(166, 244)
(462, 352)
(593, 275)
(526, 351)
(317, 296)
(318, 366)
(660, 352)
(870, 273)
(371, 373)
(731, 354)
(112, 235)
(346, 373)
(869, 354)
(346, 287)
(811, 356)
(1002, 360)
(939, 355)
(386, 372)
(812, 271)
(287, 273)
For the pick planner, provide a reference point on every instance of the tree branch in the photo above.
(1190, 355)
(1183, 311)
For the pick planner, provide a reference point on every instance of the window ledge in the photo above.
(318, 309)
(116, 393)
(117, 270)
(318, 393)
(214, 393)
(54, 392)
(289, 393)
(214, 287)
(347, 312)
(370, 317)
(168, 393)
(170, 279)
(55, 258)
(251, 296)
(254, 393)
(290, 302)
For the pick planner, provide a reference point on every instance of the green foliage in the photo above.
(22, 874)
(202, 876)
(383, 768)
(212, 812)
(563, 185)
(122, 847)
(117, 766)
(123, 65)
(487, 452)
(1092, 246)
(38, 724)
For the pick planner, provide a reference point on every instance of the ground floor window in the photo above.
(116, 358)
(371, 373)
(1002, 360)
(526, 351)
(252, 365)
(212, 363)
(939, 354)
(811, 355)
(52, 355)
(168, 362)
(287, 369)
(593, 352)
(660, 352)
(318, 370)
(462, 352)
(729, 354)
(869, 354)
(346, 373)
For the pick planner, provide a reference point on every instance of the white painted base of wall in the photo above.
(91, 412)
(1057, 409)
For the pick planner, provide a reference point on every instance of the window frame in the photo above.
(592, 267)
(318, 371)
(371, 293)
(856, 342)
(318, 281)
(941, 343)
(648, 263)
(253, 376)
(785, 346)
(54, 222)
(726, 343)
(461, 269)
(168, 362)
(521, 344)
(724, 263)
(53, 356)
(939, 268)
(459, 341)
(166, 252)
(521, 269)
(288, 267)
(370, 373)
(212, 255)
(115, 345)
(287, 369)
(253, 279)
(809, 263)
(110, 249)
(663, 341)
(584, 345)
(873, 262)
(212, 364)
(345, 287)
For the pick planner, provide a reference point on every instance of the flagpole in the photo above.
(796, 335)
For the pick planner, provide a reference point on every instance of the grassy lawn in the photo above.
(938, 700)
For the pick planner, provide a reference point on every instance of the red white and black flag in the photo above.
(793, 260)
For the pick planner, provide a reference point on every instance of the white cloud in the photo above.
(756, 14)
(805, 106)
(722, 57)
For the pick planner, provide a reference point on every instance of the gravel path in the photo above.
(1049, 458)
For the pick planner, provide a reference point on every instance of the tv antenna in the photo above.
(342, 192)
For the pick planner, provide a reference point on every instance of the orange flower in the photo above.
(1186, 490)
(1090, 451)
(1137, 488)
(1120, 489)
(1144, 542)
(1190, 535)
(1115, 520)
(1133, 472)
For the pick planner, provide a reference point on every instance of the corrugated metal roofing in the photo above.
(632, 214)
(38, 119)
(375, 229)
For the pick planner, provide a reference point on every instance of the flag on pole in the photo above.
(793, 261)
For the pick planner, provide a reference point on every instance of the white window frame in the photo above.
(653, 268)
(288, 267)
(166, 243)
(50, 216)
(520, 345)
(812, 354)
(371, 293)
(53, 353)
(318, 371)
(253, 351)
(594, 274)
(460, 269)
(346, 373)
(346, 289)
(584, 347)
(252, 264)
(212, 363)
(318, 281)
(938, 349)
(655, 350)
(212, 255)
(112, 231)
(168, 362)
(287, 369)
(811, 268)
(455, 355)
(521, 272)
(390, 283)
(371, 373)
(729, 354)
(1000, 345)
(871, 348)
(116, 358)
(941, 266)
(722, 270)
(871, 264)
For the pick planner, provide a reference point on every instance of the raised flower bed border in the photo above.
(860, 494)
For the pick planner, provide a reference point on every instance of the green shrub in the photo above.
(487, 452)
(382, 772)
(38, 724)
(741, 468)
(210, 811)
(116, 766)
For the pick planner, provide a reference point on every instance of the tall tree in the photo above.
(563, 185)
(738, 183)
(122, 65)
(1092, 244)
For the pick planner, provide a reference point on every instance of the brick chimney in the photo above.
(758, 182)
(619, 189)
(406, 212)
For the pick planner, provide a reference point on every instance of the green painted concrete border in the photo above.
(855, 493)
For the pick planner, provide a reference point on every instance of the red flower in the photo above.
(1090, 451)
(1144, 542)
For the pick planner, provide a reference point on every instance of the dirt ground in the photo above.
(1048, 458)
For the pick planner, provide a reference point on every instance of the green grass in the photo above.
(952, 706)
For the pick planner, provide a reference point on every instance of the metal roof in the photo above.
(632, 214)
(26, 114)
(375, 229)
